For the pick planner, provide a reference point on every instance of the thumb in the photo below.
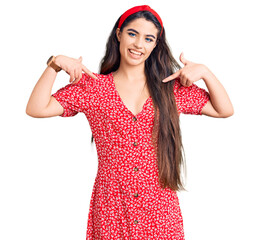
(183, 60)
(80, 58)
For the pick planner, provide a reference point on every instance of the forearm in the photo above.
(218, 95)
(41, 93)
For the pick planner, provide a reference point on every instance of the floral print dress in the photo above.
(127, 201)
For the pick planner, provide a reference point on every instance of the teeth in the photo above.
(134, 52)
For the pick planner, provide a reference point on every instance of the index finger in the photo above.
(89, 72)
(171, 77)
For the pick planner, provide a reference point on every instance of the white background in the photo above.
(48, 166)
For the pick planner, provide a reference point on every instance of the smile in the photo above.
(135, 52)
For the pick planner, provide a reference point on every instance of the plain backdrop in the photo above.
(48, 165)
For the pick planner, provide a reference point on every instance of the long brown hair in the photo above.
(166, 134)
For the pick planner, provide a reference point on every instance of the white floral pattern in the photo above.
(127, 201)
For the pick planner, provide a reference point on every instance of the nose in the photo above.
(138, 42)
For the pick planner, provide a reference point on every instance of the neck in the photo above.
(131, 74)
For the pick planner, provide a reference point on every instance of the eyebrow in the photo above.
(148, 35)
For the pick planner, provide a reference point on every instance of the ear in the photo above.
(118, 34)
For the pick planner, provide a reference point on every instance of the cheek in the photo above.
(149, 50)
(123, 47)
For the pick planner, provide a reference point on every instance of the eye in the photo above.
(149, 39)
(132, 34)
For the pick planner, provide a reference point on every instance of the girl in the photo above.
(133, 107)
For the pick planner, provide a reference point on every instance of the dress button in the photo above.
(136, 169)
(134, 119)
(136, 194)
(135, 143)
(135, 221)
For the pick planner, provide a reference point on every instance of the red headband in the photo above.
(133, 10)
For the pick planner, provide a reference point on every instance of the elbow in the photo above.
(227, 114)
(32, 113)
(27, 111)
(230, 112)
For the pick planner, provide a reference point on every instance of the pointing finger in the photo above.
(88, 72)
(171, 77)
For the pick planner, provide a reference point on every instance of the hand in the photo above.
(73, 67)
(191, 72)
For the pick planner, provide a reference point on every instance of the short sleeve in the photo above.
(73, 97)
(190, 100)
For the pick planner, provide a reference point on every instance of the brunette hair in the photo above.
(166, 134)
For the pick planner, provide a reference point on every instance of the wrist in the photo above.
(208, 76)
(57, 60)
(49, 68)
(52, 63)
(205, 72)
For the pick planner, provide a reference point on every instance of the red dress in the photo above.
(127, 201)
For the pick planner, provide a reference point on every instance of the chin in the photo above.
(135, 62)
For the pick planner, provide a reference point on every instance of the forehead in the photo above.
(142, 26)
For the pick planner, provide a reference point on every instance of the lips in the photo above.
(137, 53)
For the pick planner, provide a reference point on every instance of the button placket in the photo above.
(135, 119)
(136, 194)
(135, 143)
(136, 169)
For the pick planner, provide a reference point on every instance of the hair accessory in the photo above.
(133, 10)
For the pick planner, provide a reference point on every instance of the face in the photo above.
(137, 41)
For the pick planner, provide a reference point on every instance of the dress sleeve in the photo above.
(190, 100)
(72, 97)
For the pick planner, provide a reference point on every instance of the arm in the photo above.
(41, 104)
(219, 104)
(37, 105)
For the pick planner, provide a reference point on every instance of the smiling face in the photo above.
(137, 41)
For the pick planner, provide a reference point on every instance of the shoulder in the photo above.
(179, 89)
(182, 91)
(87, 80)
(88, 83)
(190, 99)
